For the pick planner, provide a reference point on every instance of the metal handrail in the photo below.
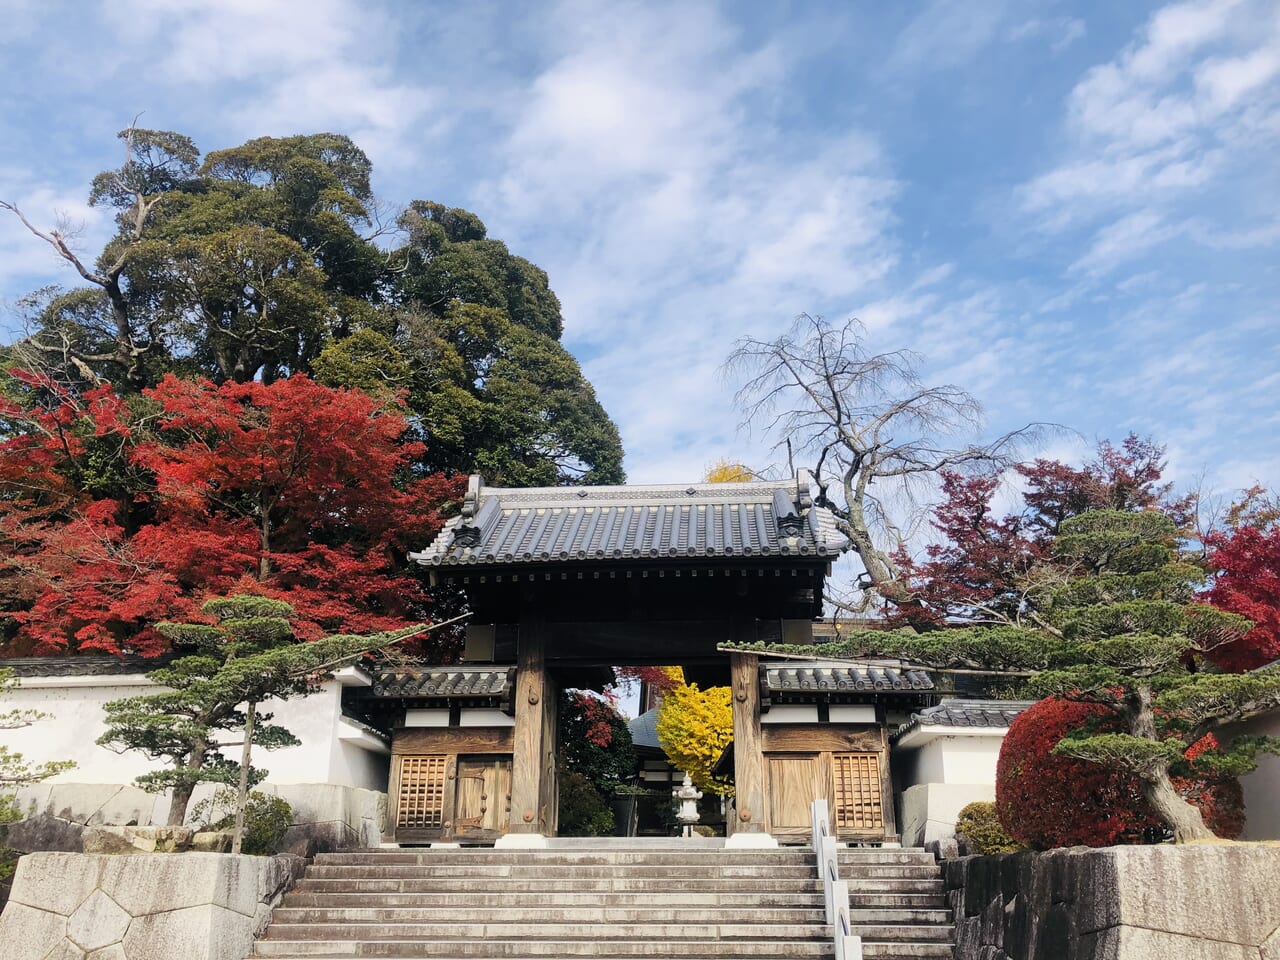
(835, 892)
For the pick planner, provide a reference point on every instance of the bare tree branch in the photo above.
(874, 433)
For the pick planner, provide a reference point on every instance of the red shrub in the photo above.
(1045, 800)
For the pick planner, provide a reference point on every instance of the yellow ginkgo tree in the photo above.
(694, 727)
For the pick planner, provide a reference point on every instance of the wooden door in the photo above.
(794, 783)
(420, 792)
(482, 807)
(858, 806)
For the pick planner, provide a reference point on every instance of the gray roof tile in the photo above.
(511, 525)
(841, 677)
(443, 683)
(966, 713)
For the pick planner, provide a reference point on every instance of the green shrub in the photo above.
(584, 812)
(266, 819)
(981, 830)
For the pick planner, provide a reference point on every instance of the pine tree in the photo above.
(1120, 629)
(249, 655)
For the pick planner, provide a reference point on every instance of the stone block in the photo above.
(126, 840)
(1224, 892)
(211, 841)
(113, 952)
(57, 882)
(98, 922)
(42, 832)
(1135, 943)
(29, 933)
(64, 951)
(99, 803)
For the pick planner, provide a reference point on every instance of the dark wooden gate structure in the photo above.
(564, 582)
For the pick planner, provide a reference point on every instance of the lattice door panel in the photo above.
(420, 798)
(858, 795)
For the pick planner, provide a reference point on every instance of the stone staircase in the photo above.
(616, 902)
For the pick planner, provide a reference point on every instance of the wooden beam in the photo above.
(529, 752)
(748, 757)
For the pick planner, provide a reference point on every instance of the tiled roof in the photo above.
(644, 730)
(512, 525)
(444, 682)
(841, 676)
(966, 713)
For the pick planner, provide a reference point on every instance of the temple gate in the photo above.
(563, 583)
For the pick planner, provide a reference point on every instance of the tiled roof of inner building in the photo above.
(838, 677)
(443, 682)
(514, 525)
(967, 713)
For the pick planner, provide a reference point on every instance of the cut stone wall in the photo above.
(325, 816)
(1193, 902)
(193, 906)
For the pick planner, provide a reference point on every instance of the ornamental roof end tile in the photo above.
(534, 525)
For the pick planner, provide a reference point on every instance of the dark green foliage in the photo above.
(1117, 628)
(596, 741)
(980, 827)
(267, 819)
(260, 262)
(583, 811)
(248, 656)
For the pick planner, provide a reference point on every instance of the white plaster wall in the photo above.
(939, 777)
(77, 720)
(970, 759)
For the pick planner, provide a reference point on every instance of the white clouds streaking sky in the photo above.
(1072, 210)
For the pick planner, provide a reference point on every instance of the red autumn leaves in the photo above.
(114, 515)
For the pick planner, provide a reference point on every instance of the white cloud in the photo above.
(700, 220)
(291, 66)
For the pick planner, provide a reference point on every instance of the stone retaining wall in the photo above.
(193, 906)
(1195, 902)
(325, 816)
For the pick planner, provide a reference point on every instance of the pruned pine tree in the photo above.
(230, 667)
(1121, 630)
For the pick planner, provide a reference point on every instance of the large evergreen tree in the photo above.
(248, 263)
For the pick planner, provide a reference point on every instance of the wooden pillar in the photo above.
(528, 760)
(748, 758)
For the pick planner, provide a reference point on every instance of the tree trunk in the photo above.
(242, 792)
(1181, 817)
(182, 792)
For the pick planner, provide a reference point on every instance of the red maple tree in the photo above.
(1246, 567)
(292, 490)
(1046, 800)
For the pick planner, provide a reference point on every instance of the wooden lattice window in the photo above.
(420, 800)
(859, 800)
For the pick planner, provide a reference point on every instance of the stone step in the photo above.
(861, 885)
(873, 950)
(901, 915)
(391, 885)
(876, 900)
(599, 933)
(574, 856)
(441, 901)
(906, 932)
(711, 913)
(557, 870)
(530, 949)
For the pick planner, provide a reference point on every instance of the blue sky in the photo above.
(1072, 210)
